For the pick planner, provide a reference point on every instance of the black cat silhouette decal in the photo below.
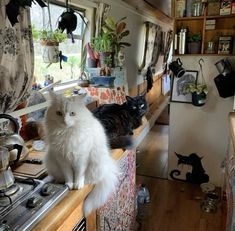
(197, 176)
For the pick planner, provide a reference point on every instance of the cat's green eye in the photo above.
(59, 113)
(72, 113)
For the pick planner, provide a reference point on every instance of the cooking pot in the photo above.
(12, 140)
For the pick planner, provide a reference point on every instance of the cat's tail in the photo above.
(121, 142)
(102, 190)
(176, 173)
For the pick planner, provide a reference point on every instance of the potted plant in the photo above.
(117, 31)
(199, 93)
(102, 44)
(194, 43)
(50, 41)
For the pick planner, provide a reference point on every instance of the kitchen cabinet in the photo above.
(228, 204)
(119, 211)
(211, 29)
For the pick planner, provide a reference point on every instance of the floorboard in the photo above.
(152, 154)
(174, 205)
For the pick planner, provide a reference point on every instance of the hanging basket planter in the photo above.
(50, 52)
(199, 99)
(198, 89)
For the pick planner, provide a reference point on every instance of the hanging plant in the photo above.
(48, 37)
(199, 90)
(50, 40)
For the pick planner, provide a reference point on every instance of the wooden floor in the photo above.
(152, 153)
(174, 206)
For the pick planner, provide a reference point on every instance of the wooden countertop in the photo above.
(232, 127)
(70, 207)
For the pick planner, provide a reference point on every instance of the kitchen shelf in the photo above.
(224, 26)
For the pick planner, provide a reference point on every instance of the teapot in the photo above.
(12, 140)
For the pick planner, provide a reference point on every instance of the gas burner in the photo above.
(10, 191)
(5, 201)
(23, 206)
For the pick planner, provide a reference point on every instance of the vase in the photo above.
(198, 99)
(194, 47)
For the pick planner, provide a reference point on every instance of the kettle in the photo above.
(6, 176)
(224, 66)
(12, 140)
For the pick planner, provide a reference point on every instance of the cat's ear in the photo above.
(143, 94)
(178, 155)
(128, 98)
(79, 98)
(53, 95)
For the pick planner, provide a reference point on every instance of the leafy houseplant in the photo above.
(102, 44)
(198, 88)
(117, 31)
(199, 93)
(47, 36)
(194, 43)
(50, 41)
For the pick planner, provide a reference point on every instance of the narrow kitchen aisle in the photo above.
(174, 205)
(152, 153)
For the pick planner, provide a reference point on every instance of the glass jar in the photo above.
(210, 48)
(196, 9)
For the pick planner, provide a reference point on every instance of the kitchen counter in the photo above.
(67, 213)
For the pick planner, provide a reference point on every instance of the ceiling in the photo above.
(162, 5)
(161, 9)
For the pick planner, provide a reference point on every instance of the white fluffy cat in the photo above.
(78, 152)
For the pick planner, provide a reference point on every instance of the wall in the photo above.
(203, 130)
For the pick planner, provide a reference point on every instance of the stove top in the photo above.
(27, 202)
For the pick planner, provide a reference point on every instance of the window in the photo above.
(70, 69)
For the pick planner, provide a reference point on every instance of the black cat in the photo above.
(119, 121)
(197, 176)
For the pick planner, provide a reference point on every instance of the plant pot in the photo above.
(106, 59)
(50, 52)
(198, 99)
(106, 81)
(194, 47)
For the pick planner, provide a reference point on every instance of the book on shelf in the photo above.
(225, 7)
(225, 45)
(213, 7)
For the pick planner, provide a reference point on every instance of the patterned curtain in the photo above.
(101, 13)
(16, 59)
(169, 39)
(152, 46)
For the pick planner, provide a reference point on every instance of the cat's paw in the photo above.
(80, 184)
(70, 185)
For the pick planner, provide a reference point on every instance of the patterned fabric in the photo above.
(108, 95)
(120, 211)
(16, 59)
(230, 191)
(101, 13)
(152, 46)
